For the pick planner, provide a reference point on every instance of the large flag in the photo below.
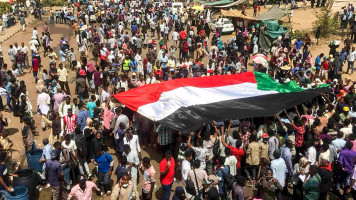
(184, 104)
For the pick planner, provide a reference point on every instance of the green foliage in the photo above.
(4, 6)
(328, 23)
(299, 33)
(50, 3)
(247, 5)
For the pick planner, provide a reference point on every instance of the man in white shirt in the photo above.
(4, 18)
(201, 153)
(151, 79)
(175, 36)
(35, 33)
(230, 161)
(34, 45)
(104, 94)
(186, 166)
(11, 52)
(24, 49)
(43, 101)
(351, 60)
(347, 129)
(133, 141)
(279, 167)
(121, 118)
(112, 42)
(311, 155)
(133, 161)
(339, 142)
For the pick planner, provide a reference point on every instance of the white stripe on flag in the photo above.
(172, 100)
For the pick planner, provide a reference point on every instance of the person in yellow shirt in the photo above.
(253, 155)
(171, 64)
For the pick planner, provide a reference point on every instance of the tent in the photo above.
(237, 14)
(273, 13)
(271, 31)
(219, 3)
(231, 4)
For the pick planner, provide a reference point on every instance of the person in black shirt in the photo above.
(97, 113)
(53, 72)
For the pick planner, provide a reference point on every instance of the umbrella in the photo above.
(259, 55)
(260, 60)
(197, 8)
(84, 27)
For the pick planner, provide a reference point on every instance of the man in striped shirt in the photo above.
(69, 122)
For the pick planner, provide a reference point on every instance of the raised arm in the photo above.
(223, 138)
(216, 130)
(190, 136)
(228, 129)
(296, 110)
(199, 131)
(279, 121)
(288, 116)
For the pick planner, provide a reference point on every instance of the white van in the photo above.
(177, 7)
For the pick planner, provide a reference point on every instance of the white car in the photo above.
(92, 16)
(225, 23)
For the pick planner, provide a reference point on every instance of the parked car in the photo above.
(92, 16)
(177, 7)
(225, 23)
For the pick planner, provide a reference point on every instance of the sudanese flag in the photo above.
(184, 104)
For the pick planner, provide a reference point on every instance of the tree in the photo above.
(329, 24)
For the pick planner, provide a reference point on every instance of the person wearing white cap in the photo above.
(34, 45)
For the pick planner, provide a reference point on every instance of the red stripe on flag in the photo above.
(151, 93)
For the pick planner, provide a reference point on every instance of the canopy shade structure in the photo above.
(185, 104)
(231, 4)
(218, 3)
(273, 13)
(197, 8)
(237, 14)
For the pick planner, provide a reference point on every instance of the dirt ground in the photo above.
(302, 20)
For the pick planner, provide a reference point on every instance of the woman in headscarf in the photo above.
(89, 133)
(300, 169)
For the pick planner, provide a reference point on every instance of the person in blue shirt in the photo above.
(105, 164)
(299, 43)
(46, 155)
(223, 190)
(134, 29)
(91, 105)
(318, 63)
(8, 90)
(133, 65)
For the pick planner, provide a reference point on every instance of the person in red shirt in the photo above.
(166, 169)
(184, 50)
(237, 151)
(182, 35)
(34, 67)
(325, 70)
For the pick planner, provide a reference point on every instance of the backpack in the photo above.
(84, 34)
(228, 180)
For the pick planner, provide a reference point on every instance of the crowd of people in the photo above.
(303, 153)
